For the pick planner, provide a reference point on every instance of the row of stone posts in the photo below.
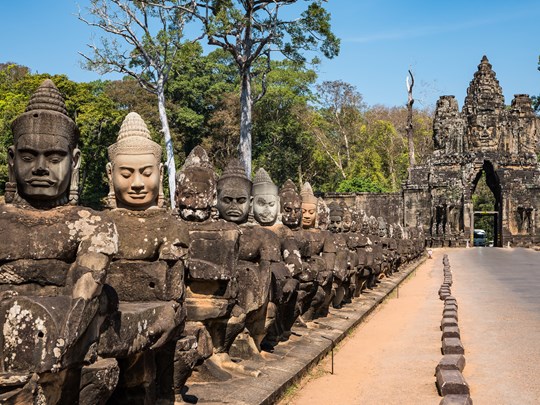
(120, 306)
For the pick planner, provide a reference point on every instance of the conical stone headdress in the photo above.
(46, 114)
(197, 169)
(263, 184)
(134, 139)
(288, 187)
(234, 171)
(307, 194)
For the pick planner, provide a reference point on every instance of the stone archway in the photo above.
(485, 136)
(494, 185)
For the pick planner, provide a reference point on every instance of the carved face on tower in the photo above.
(234, 193)
(265, 199)
(44, 159)
(196, 184)
(336, 217)
(134, 169)
(291, 205)
(309, 207)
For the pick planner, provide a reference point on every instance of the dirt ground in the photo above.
(391, 358)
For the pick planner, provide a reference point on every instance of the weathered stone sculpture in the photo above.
(265, 199)
(259, 251)
(135, 170)
(53, 262)
(211, 264)
(282, 310)
(196, 195)
(291, 205)
(234, 193)
(318, 256)
(44, 161)
(147, 272)
(341, 277)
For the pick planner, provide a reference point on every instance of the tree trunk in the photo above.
(246, 123)
(169, 164)
(410, 102)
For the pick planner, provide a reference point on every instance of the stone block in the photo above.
(451, 382)
(452, 346)
(456, 400)
(452, 322)
(146, 281)
(447, 313)
(450, 332)
(98, 381)
(451, 301)
(451, 362)
(138, 325)
(203, 308)
(450, 307)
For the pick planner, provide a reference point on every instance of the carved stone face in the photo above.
(42, 165)
(195, 194)
(336, 223)
(309, 215)
(136, 179)
(347, 221)
(291, 210)
(234, 200)
(265, 208)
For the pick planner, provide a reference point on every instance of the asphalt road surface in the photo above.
(498, 293)
(391, 358)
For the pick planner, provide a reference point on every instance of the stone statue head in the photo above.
(291, 205)
(323, 215)
(336, 217)
(265, 199)
(382, 227)
(365, 227)
(44, 160)
(373, 226)
(234, 193)
(309, 206)
(196, 187)
(135, 170)
(347, 220)
(355, 219)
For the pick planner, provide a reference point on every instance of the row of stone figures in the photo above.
(120, 306)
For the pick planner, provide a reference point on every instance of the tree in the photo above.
(282, 143)
(255, 29)
(338, 128)
(142, 41)
(410, 131)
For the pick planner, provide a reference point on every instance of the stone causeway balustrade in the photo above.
(120, 306)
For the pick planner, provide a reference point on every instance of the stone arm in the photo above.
(86, 278)
(291, 256)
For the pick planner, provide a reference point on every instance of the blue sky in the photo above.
(441, 41)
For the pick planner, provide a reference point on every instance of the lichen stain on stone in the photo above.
(8, 276)
(17, 320)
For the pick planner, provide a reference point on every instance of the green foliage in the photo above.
(281, 143)
(329, 137)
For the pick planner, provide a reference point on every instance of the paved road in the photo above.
(498, 293)
(391, 358)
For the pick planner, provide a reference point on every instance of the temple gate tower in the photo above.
(486, 138)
